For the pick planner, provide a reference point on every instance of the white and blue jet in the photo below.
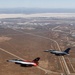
(59, 53)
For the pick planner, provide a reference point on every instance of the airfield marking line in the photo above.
(55, 28)
(59, 30)
(66, 65)
(47, 71)
(60, 60)
(71, 64)
(11, 53)
(61, 65)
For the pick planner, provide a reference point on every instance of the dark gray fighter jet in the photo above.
(59, 53)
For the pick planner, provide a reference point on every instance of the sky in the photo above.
(37, 3)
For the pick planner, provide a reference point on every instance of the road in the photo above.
(70, 64)
(53, 29)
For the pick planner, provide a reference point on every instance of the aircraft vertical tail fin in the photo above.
(67, 50)
(36, 60)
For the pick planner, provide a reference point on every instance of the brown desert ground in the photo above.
(27, 47)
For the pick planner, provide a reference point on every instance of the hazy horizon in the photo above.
(37, 6)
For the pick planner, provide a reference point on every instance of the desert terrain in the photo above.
(27, 38)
